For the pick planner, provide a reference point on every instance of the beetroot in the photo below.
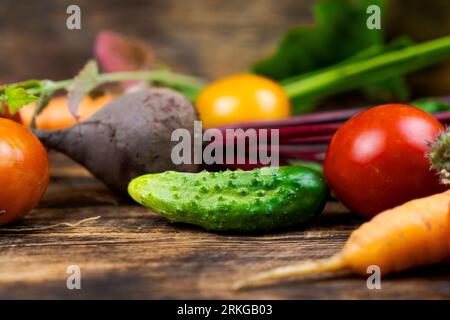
(129, 137)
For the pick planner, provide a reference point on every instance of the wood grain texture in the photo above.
(209, 38)
(133, 253)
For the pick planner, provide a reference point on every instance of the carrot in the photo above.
(56, 114)
(413, 234)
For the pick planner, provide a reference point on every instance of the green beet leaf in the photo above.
(339, 33)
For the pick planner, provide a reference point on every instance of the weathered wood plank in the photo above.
(133, 253)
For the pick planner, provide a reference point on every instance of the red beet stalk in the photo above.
(302, 137)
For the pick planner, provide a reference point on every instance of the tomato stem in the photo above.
(439, 156)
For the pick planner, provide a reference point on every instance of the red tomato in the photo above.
(24, 171)
(6, 115)
(377, 159)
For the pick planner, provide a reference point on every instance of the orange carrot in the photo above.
(413, 234)
(56, 114)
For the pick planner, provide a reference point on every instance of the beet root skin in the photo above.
(129, 137)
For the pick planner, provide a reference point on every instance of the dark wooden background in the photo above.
(210, 38)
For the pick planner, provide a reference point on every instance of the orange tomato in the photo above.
(56, 114)
(24, 171)
(243, 97)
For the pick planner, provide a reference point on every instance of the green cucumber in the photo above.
(259, 200)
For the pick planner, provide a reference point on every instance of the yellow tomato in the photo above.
(243, 97)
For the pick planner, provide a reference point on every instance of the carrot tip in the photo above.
(305, 268)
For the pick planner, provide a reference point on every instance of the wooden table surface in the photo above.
(135, 254)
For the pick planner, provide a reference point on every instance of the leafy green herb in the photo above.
(432, 105)
(15, 98)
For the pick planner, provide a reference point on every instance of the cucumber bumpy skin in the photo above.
(241, 201)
